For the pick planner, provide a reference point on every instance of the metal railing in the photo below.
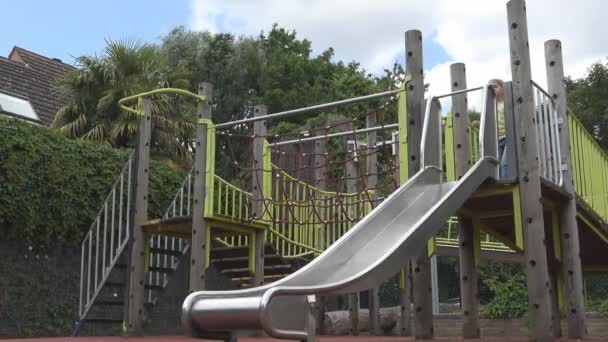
(590, 168)
(159, 265)
(106, 239)
(547, 134)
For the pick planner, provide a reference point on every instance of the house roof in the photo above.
(32, 76)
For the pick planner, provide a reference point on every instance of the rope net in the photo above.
(312, 191)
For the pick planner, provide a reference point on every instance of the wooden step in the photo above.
(231, 252)
(268, 270)
(242, 262)
(109, 302)
(163, 251)
(160, 269)
(154, 287)
(104, 320)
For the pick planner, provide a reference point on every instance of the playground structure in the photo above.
(551, 206)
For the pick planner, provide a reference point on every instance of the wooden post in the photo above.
(539, 292)
(351, 187)
(469, 288)
(136, 297)
(257, 206)
(421, 277)
(405, 283)
(372, 182)
(571, 260)
(198, 250)
(320, 174)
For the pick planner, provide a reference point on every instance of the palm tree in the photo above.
(125, 68)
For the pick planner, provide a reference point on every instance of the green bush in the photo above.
(50, 190)
(508, 293)
(52, 187)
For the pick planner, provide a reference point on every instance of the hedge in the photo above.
(50, 190)
(52, 187)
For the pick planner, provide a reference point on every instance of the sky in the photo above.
(372, 32)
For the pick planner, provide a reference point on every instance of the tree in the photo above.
(125, 68)
(588, 99)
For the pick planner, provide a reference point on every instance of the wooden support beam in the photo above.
(198, 249)
(372, 182)
(320, 174)
(405, 283)
(539, 290)
(469, 288)
(138, 241)
(351, 187)
(257, 206)
(421, 276)
(569, 238)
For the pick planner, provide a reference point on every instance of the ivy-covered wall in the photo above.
(50, 190)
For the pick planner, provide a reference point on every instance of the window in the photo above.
(19, 107)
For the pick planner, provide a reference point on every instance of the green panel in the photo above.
(210, 167)
(402, 121)
(517, 219)
(449, 148)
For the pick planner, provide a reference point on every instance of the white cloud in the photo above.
(470, 31)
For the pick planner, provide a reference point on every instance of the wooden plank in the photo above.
(469, 288)
(138, 241)
(421, 276)
(569, 237)
(539, 293)
(198, 251)
(257, 206)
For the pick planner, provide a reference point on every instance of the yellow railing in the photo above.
(590, 164)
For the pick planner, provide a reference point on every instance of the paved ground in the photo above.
(253, 339)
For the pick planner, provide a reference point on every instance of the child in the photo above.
(498, 86)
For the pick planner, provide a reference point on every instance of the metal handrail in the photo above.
(310, 108)
(106, 239)
(138, 97)
(547, 133)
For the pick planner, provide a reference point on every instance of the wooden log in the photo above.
(469, 288)
(372, 182)
(539, 293)
(351, 187)
(257, 206)
(198, 251)
(569, 237)
(137, 243)
(421, 276)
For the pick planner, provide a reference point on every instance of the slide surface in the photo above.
(374, 250)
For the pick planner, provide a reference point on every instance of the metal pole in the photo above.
(309, 109)
(458, 92)
(339, 134)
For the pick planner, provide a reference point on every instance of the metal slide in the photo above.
(374, 250)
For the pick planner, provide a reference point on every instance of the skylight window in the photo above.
(17, 107)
